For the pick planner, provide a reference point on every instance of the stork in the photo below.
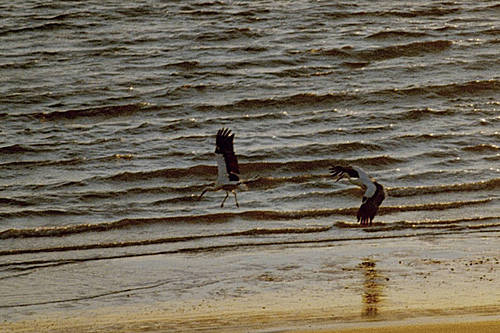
(228, 178)
(374, 192)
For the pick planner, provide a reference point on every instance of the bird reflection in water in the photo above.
(372, 288)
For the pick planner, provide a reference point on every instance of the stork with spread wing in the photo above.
(374, 192)
(228, 178)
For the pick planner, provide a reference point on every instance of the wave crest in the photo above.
(104, 111)
(434, 189)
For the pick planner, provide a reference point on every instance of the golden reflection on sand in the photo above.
(372, 288)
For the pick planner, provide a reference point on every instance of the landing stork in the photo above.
(228, 178)
(374, 192)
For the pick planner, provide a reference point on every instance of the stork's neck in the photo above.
(355, 181)
(365, 182)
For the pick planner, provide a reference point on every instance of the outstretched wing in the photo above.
(224, 146)
(338, 170)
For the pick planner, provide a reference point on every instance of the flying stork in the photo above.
(228, 178)
(374, 192)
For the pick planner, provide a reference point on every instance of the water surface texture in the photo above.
(109, 110)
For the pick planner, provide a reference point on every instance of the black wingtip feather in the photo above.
(224, 145)
(337, 170)
(224, 141)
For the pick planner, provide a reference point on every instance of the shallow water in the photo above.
(109, 114)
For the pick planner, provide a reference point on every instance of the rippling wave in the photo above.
(393, 51)
(106, 111)
(256, 215)
(446, 90)
(17, 149)
(252, 232)
(491, 184)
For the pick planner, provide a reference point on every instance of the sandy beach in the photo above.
(377, 289)
(258, 321)
(461, 327)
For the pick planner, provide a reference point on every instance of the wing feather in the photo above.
(337, 170)
(225, 146)
(232, 166)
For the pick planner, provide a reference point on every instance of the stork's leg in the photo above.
(204, 191)
(222, 204)
(236, 199)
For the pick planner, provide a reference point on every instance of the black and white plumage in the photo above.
(374, 192)
(228, 178)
